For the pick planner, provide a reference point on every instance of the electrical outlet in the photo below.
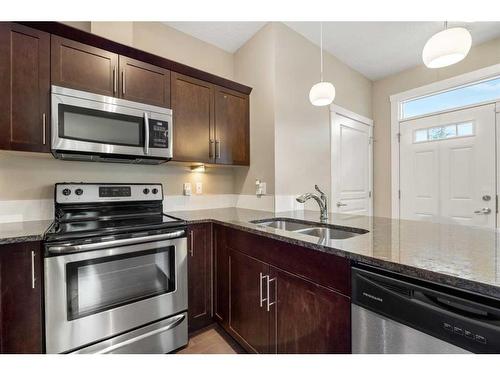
(199, 188)
(186, 188)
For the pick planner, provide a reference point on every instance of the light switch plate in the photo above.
(199, 188)
(186, 188)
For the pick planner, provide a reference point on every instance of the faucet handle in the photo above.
(319, 190)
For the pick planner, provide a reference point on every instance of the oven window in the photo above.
(92, 125)
(101, 284)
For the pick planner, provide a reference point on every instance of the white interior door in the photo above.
(447, 167)
(351, 165)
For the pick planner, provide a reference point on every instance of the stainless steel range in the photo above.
(115, 271)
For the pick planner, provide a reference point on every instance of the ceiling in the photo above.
(228, 36)
(375, 49)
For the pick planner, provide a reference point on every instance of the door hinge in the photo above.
(496, 203)
(399, 137)
(369, 194)
(399, 194)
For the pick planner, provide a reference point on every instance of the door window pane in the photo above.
(99, 126)
(437, 133)
(105, 283)
(465, 129)
(462, 96)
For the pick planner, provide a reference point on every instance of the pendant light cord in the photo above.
(321, 50)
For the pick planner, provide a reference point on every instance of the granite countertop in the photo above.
(458, 256)
(23, 231)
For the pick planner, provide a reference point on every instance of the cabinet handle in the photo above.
(262, 277)
(123, 82)
(114, 80)
(191, 250)
(210, 149)
(44, 130)
(33, 280)
(268, 299)
(217, 149)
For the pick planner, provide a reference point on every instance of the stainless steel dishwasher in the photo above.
(392, 313)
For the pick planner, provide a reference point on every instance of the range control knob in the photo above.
(146, 191)
(66, 192)
(78, 191)
(154, 191)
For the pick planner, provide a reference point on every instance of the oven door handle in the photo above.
(64, 249)
(177, 320)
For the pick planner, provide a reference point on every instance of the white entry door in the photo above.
(351, 164)
(447, 167)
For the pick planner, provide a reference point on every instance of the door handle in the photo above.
(146, 134)
(217, 149)
(261, 277)
(33, 279)
(268, 299)
(483, 211)
(123, 82)
(114, 80)
(211, 150)
(191, 249)
(340, 204)
(44, 130)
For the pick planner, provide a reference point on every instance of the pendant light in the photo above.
(322, 93)
(447, 47)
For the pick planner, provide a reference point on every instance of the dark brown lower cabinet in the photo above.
(268, 309)
(199, 276)
(21, 298)
(248, 319)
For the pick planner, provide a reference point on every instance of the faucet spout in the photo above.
(322, 201)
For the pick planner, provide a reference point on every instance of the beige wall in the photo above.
(479, 57)
(302, 131)
(254, 66)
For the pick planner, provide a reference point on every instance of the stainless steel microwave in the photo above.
(91, 127)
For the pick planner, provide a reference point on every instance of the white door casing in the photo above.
(449, 180)
(351, 162)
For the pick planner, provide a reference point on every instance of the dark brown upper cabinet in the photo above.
(193, 118)
(199, 276)
(21, 298)
(25, 88)
(143, 82)
(79, 66)
(232, 130)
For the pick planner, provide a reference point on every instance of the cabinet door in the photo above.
(248, 316)
(193, 118)
(308, 318)
(143, 82)
(232, 132)
(82, 67)
(199, 276)
(25, 88)
(21, 298)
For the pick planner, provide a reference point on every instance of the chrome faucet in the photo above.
(322, 201)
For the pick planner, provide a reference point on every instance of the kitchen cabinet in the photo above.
(193, 118)
(21, 298)
(79, 66)
(143, 82)
(211, 123)
(248, 319)
(232, 131)
(199, 276)
(25, 88)
(274, 298)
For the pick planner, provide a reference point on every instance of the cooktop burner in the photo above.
(86, 210)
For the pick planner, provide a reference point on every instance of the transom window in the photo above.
(478, 92)
(437, 133)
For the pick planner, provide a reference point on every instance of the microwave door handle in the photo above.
(146, 134)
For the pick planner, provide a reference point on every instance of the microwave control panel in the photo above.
(158, 133)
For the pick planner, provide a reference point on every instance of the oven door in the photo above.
(95, 295)
(95, 124)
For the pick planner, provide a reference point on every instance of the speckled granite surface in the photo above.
(459, 256)
(24, 231)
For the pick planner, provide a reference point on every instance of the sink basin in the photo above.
(310, 228)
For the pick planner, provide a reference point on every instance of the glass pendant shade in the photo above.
(447, 47)
(322, 94)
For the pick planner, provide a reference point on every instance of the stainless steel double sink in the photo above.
(319, 230)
